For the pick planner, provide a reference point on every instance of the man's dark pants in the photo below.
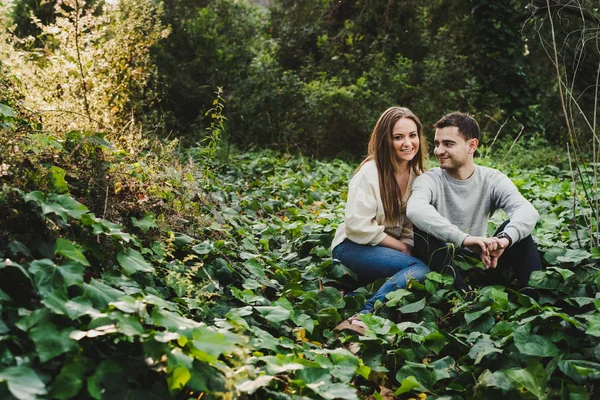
(516, 262)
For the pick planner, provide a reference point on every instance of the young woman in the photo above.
(376, 239)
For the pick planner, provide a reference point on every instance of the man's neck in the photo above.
(463, 172)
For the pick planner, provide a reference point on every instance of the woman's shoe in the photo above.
(353, 324)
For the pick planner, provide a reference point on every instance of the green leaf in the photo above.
(61, 205)
(272, 314)
(46, 275)
(395, 298)
(470, 317)
(331, 297)
(575, 256)
(593, 325)
(497, 379)
(595, 251)
(533, 378)
(51, 342)
(145, 224)
(132, 261)
(101, 294)
(580, 370)
(23, 382)
(482, 348)
(534, 345)
(67, 249)
(107, 371)
(6, 111)
(69, 381)
(252, 386)
(565, 273)
(57, 179)
(413, 307)
(409, 383)
(213, 343)
(172, 321)
(178, 377)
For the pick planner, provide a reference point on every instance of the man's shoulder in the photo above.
(491, 173)
(433, 174)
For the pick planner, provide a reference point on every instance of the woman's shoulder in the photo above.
(368, 168)
(367, 173)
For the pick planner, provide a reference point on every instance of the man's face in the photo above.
(451, 148)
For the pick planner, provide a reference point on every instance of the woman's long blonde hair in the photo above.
(381, 149)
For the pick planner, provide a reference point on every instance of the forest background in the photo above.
(173, 173)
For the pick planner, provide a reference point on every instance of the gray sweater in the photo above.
(452, 209)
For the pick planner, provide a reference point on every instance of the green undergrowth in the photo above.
(156, 278)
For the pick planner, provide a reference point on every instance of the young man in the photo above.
(450, 207)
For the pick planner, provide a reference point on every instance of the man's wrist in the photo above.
(504, 235)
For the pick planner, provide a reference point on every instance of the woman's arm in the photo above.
(396, 244)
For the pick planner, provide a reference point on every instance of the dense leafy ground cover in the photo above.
(244, 304)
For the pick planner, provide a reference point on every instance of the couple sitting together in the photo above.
(401, 222)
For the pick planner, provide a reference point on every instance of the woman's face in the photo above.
(405, 138)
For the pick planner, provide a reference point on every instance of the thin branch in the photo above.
(80, 64)
(514, 141)
(498, 133)
(573, 180)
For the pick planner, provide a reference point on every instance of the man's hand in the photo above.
(490, 249)
(479, 245)
(496, 248)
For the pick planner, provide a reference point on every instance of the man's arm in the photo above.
(523, 216)
(425, 217)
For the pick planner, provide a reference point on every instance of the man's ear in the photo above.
(473, 143)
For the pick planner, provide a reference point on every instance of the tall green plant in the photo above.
(93, 67)
(572, 52)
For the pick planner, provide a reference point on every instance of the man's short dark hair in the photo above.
(466, 124)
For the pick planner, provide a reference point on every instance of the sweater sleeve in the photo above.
(523, 216)
(361, 209)
(425, 217)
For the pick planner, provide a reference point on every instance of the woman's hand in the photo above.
(396, 244)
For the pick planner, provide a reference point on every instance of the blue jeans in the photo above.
(373, 262)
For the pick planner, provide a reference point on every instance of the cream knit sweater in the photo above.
(363, 222)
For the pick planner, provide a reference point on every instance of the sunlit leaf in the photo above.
(23, 382)
(132, 261)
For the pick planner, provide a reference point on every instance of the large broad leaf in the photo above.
(46, 275)
(67, 249)
(59, 303)
(482, 348)
(212, 343)
(172, 321)
(593, 325)
(51, 342)
(413, 307)
(6, 111)
(252, 386)
(61, 205)
(23, 382)
(101, 294)
(470, 317)
(145, 224)
(132, 261)
(69, 382)
(580, 370)
(56, 176)
(497, 379)
(274, 314)
(534, 345)
(575, 256)
(533, 378)
(178, 377)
